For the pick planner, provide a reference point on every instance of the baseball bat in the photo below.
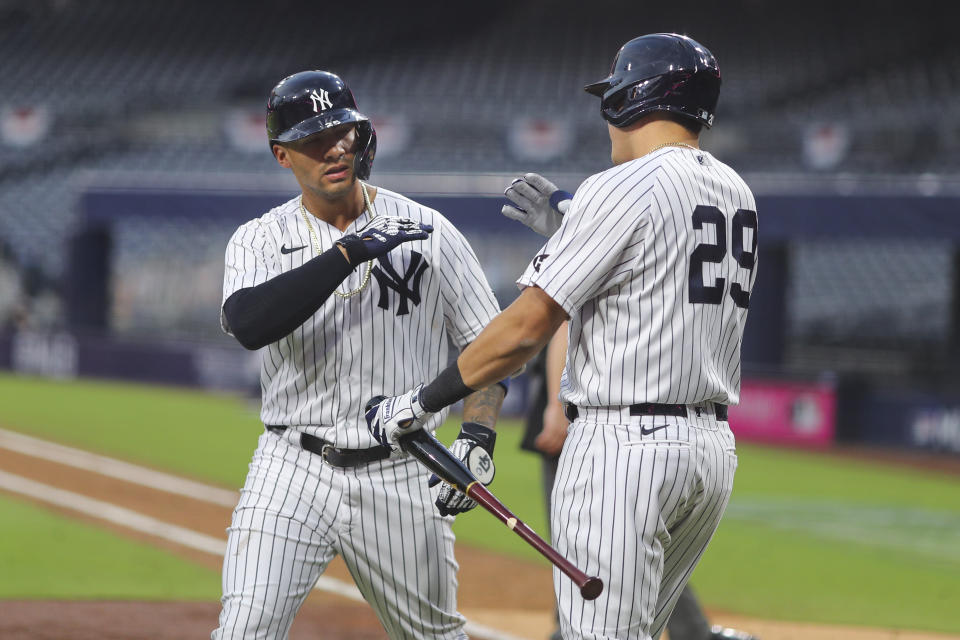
(436, 457)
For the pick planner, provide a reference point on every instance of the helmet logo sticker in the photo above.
(321, 101)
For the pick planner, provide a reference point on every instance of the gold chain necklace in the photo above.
(673, 144)
(316, 242)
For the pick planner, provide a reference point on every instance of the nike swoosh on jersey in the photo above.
(284, 250)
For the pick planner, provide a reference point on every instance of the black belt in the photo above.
(654, 409)
(333, 455)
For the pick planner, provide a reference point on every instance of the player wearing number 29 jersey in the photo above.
(654, 262)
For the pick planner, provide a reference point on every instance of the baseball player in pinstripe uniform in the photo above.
(350, 291)
(653, 262)
(547, 430)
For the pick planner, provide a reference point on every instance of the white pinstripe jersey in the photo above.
(378, 342)
(654, 263)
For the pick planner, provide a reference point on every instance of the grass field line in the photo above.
(111, 513)
(114, 468)
(141, 523)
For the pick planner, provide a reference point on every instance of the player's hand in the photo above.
(551, 438)
(379, 236)
(390, 418)
(540, 204)
(474, 446)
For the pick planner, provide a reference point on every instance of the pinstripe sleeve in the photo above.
(468, 301)
(603, 229)
(250, 260)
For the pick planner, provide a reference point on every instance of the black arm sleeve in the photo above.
(260, 315)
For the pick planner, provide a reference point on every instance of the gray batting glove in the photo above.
(390, 418)
(540, 204)
(380, 236)
(474, 446)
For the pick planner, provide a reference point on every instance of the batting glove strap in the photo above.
(560, 201)
(380, 236)
(471, 446)
(389, 418)
(485, 436)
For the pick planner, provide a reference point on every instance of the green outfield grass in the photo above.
(43, 555)
(207, 436)
(826, 539)
(807, 537)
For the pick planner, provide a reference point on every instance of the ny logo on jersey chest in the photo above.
(407, 286)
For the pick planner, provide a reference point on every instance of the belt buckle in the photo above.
(325, 452)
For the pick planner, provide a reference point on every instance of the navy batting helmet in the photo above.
(659, 72)
(311, 101)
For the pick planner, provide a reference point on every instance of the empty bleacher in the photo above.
(146, 88)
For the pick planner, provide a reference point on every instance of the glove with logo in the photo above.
(390, 418)
(381, 235)
(474, 446)
(540, 204)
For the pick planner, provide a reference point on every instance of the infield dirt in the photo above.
(505, 593)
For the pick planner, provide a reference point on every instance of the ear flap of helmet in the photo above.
(366, 149)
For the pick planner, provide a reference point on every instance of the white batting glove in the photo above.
(390, 418)
(474, 446)
(540, 204)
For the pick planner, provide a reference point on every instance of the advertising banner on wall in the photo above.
(910, 418)
(785, 412)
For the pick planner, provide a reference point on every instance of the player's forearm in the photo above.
(483, 406)
(260, 315)
(501, 352)
(509, 341)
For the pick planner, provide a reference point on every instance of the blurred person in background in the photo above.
(44, 308)
(12, 301)
(544, 428)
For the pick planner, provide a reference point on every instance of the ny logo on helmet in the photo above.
(321, 101)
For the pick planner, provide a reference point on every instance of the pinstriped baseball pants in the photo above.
(296, 513)
(636, 501)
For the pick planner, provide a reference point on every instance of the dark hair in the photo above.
(691, 125)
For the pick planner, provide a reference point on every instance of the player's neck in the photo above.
(337, 211)
(647, 135)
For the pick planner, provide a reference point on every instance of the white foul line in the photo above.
(116, 469)
(111, 513)
(146, 524)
